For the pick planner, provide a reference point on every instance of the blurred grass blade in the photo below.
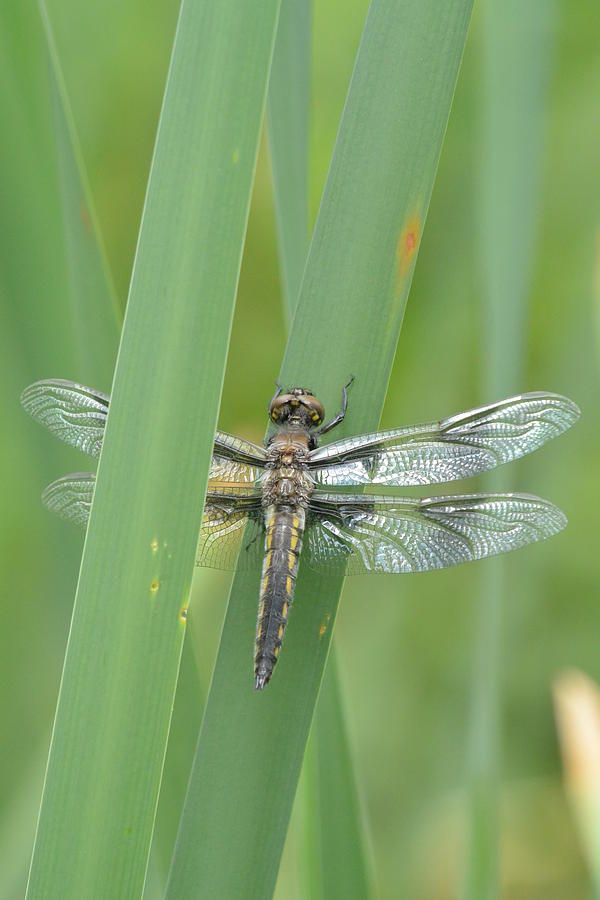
(337, 835)
(577, 709)
(348, 319)
(517, 55)
(288, 120)
(96, 316)
(17, 824)
(519, 43)
(128, 623)
(93, 302)
(343, 860)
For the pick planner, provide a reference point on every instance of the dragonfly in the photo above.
(292, 499)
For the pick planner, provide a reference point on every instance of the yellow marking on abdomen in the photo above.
(296, 522)
(280, 633)
(288, 585)
(284, 609)
(291, 560)
(264, 583)
(268, 559)
(294, 540)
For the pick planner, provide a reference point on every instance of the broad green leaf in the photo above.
(183, 734)
(517, 46)
(336, 836)
(348, 318)
(128, 624)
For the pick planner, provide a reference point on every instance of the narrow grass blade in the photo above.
(517, 54)
(347, 320)
(36, 560)
(124, 647)
(92, 302)
(337, 835)
(183, 734)
(343, 862)
(288, 120)
(17, 825)
(95, 312)
(577, 710)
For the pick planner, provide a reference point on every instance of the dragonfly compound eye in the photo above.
(314, 407)
(280, 407)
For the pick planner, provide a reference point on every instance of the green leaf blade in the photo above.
(333, 835)
(348, 319)
(518, 50)
(95, 312)
(288, 118)
(126, 636)
(344, 869)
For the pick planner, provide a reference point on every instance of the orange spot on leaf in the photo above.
(324, 625)
(408, 244)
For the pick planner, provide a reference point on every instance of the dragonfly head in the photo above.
(298, 406)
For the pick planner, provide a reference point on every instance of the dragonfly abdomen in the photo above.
(283, 543)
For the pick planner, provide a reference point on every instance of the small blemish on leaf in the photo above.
(236, 156)
(324, 625)
(154, 545)
(183, 614)
(408, 244)
(154, 586)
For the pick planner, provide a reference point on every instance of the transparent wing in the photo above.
(232, 531)
(237, 460)
(385, 534)
(454, 448)
(226, 515)
(71, 496)
(77, 415)
(74, 413)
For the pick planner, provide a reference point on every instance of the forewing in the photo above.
(77, 415)
(384, 534)
(236, 460)
(454, 448)
(232, 530)
(74, 413)
(70, 497)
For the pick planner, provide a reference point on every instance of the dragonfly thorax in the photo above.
(288, 482)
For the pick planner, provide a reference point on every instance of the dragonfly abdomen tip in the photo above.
(261, 679)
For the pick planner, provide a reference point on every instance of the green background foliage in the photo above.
(405, 646)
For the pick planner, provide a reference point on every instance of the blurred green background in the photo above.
(406, 646)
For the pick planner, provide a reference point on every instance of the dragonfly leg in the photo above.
(340, 416)
(278, 391)
(255, 538)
